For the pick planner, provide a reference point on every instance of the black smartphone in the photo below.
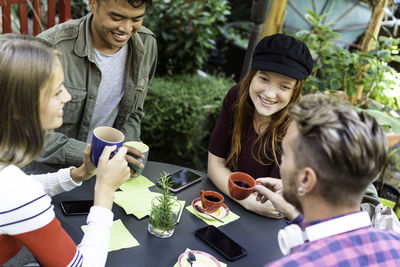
(182, 179)
(76, 207)
(222, 243)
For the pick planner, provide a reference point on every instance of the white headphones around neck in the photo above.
(292, 236)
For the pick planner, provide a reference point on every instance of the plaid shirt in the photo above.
(361, 247)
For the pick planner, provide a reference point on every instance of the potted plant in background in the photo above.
(165, 210)
(341, 72)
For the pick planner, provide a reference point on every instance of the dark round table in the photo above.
(255, 233)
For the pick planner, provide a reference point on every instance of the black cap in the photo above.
(283, 54)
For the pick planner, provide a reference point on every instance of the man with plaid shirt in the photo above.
(331, 153)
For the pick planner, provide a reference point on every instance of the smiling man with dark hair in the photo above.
(109, 59)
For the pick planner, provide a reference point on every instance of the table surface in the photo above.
(257, 234)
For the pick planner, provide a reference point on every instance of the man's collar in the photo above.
(307, 224)
(84, 43)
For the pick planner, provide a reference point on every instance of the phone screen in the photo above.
(221, 242)
(183, 178)
(76, 207)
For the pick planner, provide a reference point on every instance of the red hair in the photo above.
(273, 134)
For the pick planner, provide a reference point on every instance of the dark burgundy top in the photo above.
(220, 143)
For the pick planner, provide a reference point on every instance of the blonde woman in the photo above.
(33, 95)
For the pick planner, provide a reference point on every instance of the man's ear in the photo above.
(307, 179)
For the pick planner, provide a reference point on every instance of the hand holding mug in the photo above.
(138, 153)
(111, 173)
(271, 189)
(86, 170)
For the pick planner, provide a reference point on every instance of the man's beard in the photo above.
(290, 195)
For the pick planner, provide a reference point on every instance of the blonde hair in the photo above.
(26, 66)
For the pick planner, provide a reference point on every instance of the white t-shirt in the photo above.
(111, 88)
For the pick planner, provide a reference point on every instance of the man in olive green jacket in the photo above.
(109, 59)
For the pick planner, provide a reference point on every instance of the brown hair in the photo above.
(26, 66)
(271, 137)
(346, 148)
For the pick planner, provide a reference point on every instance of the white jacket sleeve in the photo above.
(95, 243)
(57, 182)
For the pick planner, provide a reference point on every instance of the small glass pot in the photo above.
(163, 217)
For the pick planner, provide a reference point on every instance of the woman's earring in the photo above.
(300, 191)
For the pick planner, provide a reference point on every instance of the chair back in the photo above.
(64, 14)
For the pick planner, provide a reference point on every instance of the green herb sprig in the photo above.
(162, 216)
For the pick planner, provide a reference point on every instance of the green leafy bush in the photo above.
(180, 113)
(185, 30)
(341, 72)
(338, 69)
(239, 32)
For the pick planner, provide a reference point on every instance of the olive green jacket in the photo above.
(82, 76)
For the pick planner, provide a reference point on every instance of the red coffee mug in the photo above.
(241, 185)
(211, 200)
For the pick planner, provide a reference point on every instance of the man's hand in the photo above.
(271, 189)
(132, 158)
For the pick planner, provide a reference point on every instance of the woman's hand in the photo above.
(111, 173)
(86, 170)
(271, 191)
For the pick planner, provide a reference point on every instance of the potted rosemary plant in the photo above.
(165, 210)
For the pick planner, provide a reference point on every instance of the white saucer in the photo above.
(203, 259)
(221, 213)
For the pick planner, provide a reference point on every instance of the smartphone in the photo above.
(76, 207)
(222, 243)
(182, 179)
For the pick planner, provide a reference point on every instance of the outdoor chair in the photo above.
(64, 13)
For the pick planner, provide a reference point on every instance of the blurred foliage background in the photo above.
(182, 106)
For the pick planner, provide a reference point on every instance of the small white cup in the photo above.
(142, 147)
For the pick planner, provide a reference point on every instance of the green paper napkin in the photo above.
(136, 182)
(120, 237)
(135, 201)
(138, 202)
(220, 262)
(230, 218)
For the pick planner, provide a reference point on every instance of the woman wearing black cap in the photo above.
(253, 118)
